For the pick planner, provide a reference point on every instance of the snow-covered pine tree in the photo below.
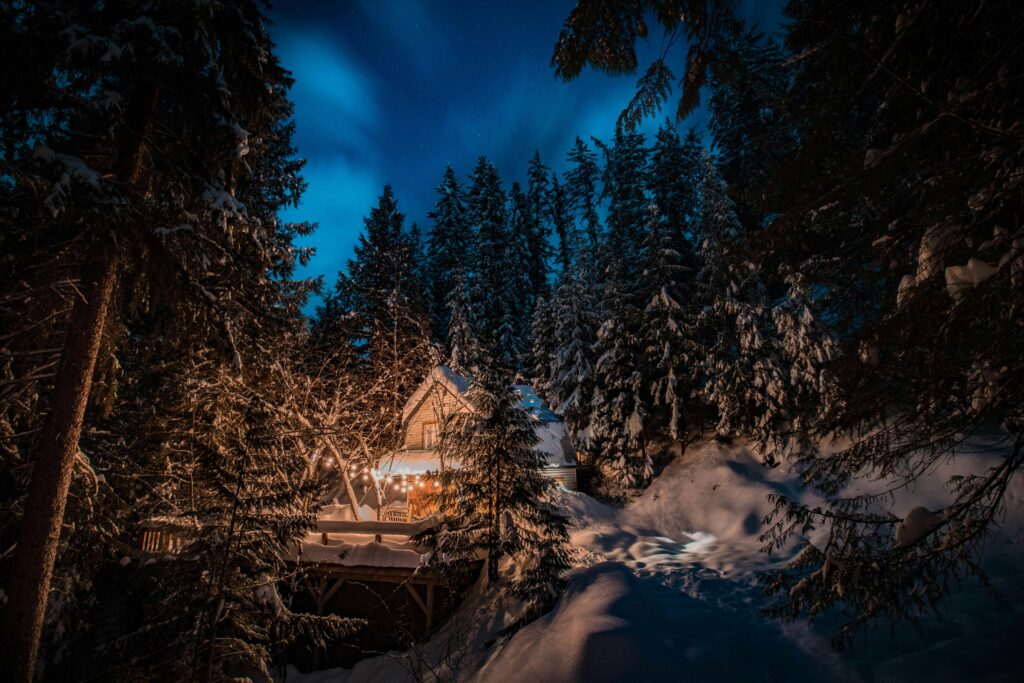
(447, 250)
(538, 193)
(624, 185)
(518, 292)
(581, 189)
(575, 317)
(668, 330)
(768, 373)
(489, 218)
(241, 492)
(543, 346)
(502, 503)
(565, 227)
(131, 208)
(381, 300)
(751, 135)
(464, 351)
(619, 410)
(672, 179)
(718, 232)
(745, 377)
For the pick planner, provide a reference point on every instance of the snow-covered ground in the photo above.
(668, 589)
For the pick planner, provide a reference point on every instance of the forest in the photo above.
(786, 346)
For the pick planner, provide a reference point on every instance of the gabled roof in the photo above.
(458, 386)
(553, 437)
(442, 376)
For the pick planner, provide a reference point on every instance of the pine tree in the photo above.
(216, 610)
(518, 287)
(668, 324)
(672, 179)
(718, 231)
(488, 215)
(619, 408)
(565, 227)
(381, 300)
(464, 352)
(570, 360)
(542, 346)
(502, 502)
(447, 250)
(750, 133)
(160, 207)
(538, 193)
(581, 187)
(627, 207)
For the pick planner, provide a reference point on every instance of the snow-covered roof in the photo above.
(554, 441)
(360, 550)
(442, 376)
(458, 385)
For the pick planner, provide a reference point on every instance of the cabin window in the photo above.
(429, 435)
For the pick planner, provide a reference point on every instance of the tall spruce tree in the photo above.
(502, 505)
(581, 188)
(624, 186)
(538, 193)
(447, 250)
(619, 411)
(672, 182)
(668, 329)
(381, 295)
(575, 316)
(519, 291)
(463, 350)
(747, 125)
(160, 208)
(491, 291)
(565, 227)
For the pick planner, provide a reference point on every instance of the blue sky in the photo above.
(389, 91)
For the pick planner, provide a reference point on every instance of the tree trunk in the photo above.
(51, 473)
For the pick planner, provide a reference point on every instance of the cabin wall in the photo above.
(439, 404)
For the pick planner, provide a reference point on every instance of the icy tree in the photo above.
(538, 192)
(574, 311)
(127, 207)
(673, 177)
(489, 217)
(565, 227)
(668, 324)
(581, 188)
(463, 344)
(242, 496)
(501, 502)
(619, 410)
(624, 186)
(448, 250)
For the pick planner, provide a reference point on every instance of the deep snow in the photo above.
(668, 588)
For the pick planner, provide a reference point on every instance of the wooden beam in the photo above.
(430, 606)
(418, 599)
(334, 589)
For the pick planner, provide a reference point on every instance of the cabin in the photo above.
(443, 394)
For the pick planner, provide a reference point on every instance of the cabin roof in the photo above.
(458, 385)
(553, 437)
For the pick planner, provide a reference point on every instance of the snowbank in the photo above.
(612, 626)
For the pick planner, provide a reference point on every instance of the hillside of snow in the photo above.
(668, 588)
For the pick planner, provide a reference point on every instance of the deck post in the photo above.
(430, 606)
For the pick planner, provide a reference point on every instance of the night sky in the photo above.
(389, 91)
